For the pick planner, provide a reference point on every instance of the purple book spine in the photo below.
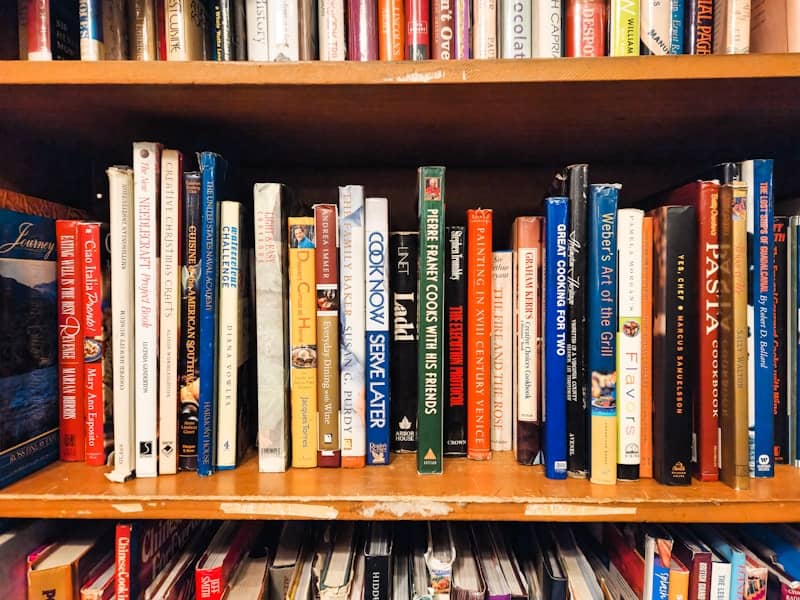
(462, 42)
(362, 34)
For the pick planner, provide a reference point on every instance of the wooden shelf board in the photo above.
(498, 489)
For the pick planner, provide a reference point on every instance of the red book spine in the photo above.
(586, 27)
(93, 347)
(70, 341)
(479, 330)
(362, 30)
(39, 30)
(418, 38)
(122, 560)
(210, 583)
(444, 38)
(162, 29)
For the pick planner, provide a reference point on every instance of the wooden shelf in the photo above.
(495, 490)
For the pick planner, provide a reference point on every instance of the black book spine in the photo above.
(699, 27)
(403, 255)
(65, 32)
(455, 306)
(377, 577)
(675, 240)
(779, 324)
(577, 389)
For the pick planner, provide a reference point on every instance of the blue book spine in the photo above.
(90, 18)
(212, 169)
(601, 294)
(733, 556)
(376, 236)
(555, 339)
(785, 552)
(676, 40)
(660, 580)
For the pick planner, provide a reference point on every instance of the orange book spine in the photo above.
(391, 16)
(646, 453)
(479, 330)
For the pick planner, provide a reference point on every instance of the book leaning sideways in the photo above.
(28, 334)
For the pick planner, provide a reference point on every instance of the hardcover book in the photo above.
(185, 25)
(515, 29)
(378, 548)
(656, 27)
(548, 35)
(443, 36)
(698, 29)
(362, 30)
(53, 30)
(90, 20)
(257, 30)
(624, 28)
(646, 417)
(484, 29)
(780, 305)
(115, 29)
(731, 26)
(774, 26)
(418, 38)
(455, 360)
(462, 20)
(392, 29)
(502, 408)
(791, 332)
(586, 22)
(143, 30)
(331, 29)
(217, 565)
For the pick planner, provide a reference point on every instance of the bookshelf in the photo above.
(501, 127)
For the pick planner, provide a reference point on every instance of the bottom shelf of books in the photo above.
(499, 489)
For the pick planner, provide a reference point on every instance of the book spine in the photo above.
(223, 20)
(120, 185)
(463, 27)
(352, 318)
(656, 27)
(455, 310)
(484, 29)
(327, 278)
(191, 261)
(502, 350)
(699, 27)
(554, 369)
(403, 259)
(757, 174)
(283, 31)
(331, 29)
(731, 33)
(257, 29)
(443, 36)
(230, 259)
(212, 169)
(184, 29)
(479, 333)
(362, 30)
(527, 244)
(115, 30)
(418, 38)
(431, 316)
(91, 27)
(586, 28)
(208, 583)
(70, 339)
(515, 28)
(142, 30)
(161, 29)
(780, 305)
(378, 572)
(791, 335)
(602, 327)
(38, 17)
(646, 453)
(376, 234)
(577, 381)
(94, 346)
(624, 26)
(676, 26)
(303, 341)
(122, 560)
(22, 28)
(391, 36)
(548, 35)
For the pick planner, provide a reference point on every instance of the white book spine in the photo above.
(352, 317)
(331, 29)
(169, 313)
(731, 26)
(515, 26)
(526, 315)
(547, 39)
(629, 339)
(283, 30)
(120, 186)
(502, 350)
(91, 47)
(484, 31)
(257, 30)
(228, 333)
(146, 164)
(271, 328)
(720, 580)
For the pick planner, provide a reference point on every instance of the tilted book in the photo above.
(217, 565)
(780, 396)
(502, 350)
(455, 341)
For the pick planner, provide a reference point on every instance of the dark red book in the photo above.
(622, 552)
(781, 355)
(162, 29)
(418, 35)
(444, 37)
(53, 30)
(587, 24)
(362, 30)
(696, 557)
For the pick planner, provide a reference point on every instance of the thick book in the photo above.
(431, 197)
(484, 29)
(731, 26)
(455, 341)
(218, 563)
(403, 274)
(378, 549)
(184, 29)
(502, 406)
(780, 306)
(646, 416)
(586, 26)
(629, 342)
(191, 269)
(515, 29)
(468, 582)
(303, 340)
(391, 30)
(417, 32)
(331, 20)
(442, 34)
(53, 30)
(674, 331)
(362, 30)
(698, 29)
(176, 579)
(526, 241)
(479, 332)
(601, 317)
(757, 174)
(554, 365)
(326, 226)
(376, 238)
(90, 20)
(774, 26)
(21, 538)
(352, 321)
(142, 30)
(623, 28)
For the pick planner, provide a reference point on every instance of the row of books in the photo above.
(159, 560)
(362, 30)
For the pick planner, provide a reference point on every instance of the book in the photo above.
(391, 30)
(548, 36)
(646, 452)
(250, 581)
(287, 557)
(53, 30)
(733, 376)
(526, 241)
(656, 27)
(699, 27)
(623, 28)
(21, 539)
(331, 29)
(468, 582)
(142, 30)
(439, 558)
(731, 26)
(462, 20)
(99, 584)
(185, 24)
(417, 32)
(362, 30)
(307, 34)
(484, 29)
(176, 579)
(773, 26)
(169, 309)
(90, 20)
(677, 11)
(478, 333)
(431, 318)
(780, 304)
(403, 274)
(303, 340)
(601, 318)
(792, 333)
(327, 303)
(455, 343)
(376, 237)
(554, 367)
(258, 30)
(716, 540)
(515, 29)
(629, 342)
(352, 321)
(224, 30)
(696, 557)
(485, 552)
(442, 35)
(228, 547)
(191, 267)
(502, 406)
(378, 561)
(335, 564)
(586, 23)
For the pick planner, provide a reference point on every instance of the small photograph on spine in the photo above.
(455, 310)
(502, 350)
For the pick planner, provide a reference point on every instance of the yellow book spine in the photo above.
(51, 584)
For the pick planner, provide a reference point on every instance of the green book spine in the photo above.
(431, 319)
